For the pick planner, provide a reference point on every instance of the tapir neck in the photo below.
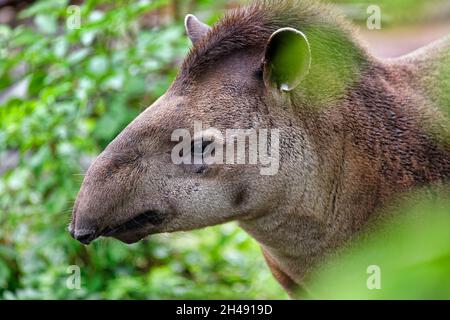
(296, 242)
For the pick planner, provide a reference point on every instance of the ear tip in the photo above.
(188, 18)
(195, 29)
(290, 29)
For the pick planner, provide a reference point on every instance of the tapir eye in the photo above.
(198, 147)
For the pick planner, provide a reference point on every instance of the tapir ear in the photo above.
(287, 59)
(195, 29)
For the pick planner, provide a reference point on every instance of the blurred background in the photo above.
(66, 90)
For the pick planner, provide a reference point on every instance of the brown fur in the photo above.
(357, 133)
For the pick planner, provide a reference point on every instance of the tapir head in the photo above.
(238, 75)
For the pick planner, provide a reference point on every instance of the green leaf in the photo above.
(47, 24)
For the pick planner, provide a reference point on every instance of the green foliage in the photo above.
(411, 255)
(82, 86)
(398, 12)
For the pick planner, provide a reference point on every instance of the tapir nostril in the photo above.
(84, 236)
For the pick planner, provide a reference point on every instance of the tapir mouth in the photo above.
(152, 217)
(129, 231)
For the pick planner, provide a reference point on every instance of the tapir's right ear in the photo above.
(287, 59)
(195, 29)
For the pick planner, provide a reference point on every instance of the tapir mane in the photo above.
(251, 26)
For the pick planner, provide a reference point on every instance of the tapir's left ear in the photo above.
(287, 59)
(195, 29)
